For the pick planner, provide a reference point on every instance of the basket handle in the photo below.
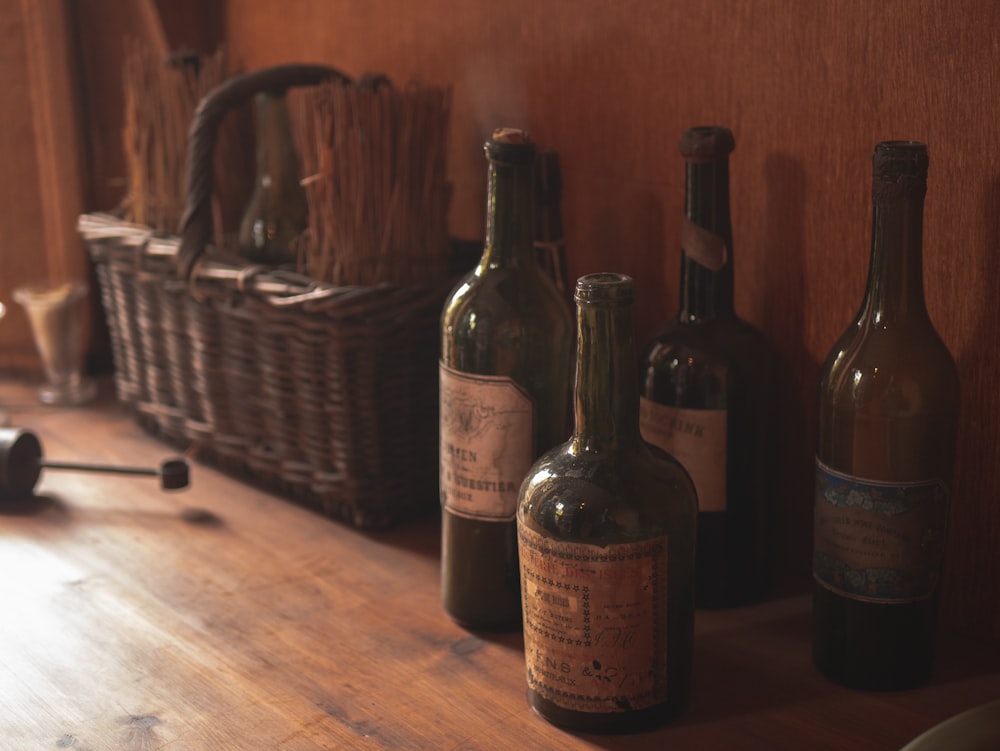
(196, 222)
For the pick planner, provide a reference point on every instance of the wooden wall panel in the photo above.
(21, 210)
(808, 88)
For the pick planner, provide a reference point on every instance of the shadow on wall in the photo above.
(647, 236)
(636, 222)
(972, 567)
(784, 309)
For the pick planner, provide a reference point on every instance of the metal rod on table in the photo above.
(78, 467)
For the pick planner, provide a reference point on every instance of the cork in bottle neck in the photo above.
(510, 146)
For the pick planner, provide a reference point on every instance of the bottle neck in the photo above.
(895, 290)
(549, 242)
(606, 397)
(509, 226)
(706, 290)
(276, 161)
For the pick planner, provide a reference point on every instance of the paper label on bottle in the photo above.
(878, 541)
(703, 246)
(595, 622)
(487, 444)
(697, 439)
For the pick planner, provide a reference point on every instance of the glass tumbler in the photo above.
(54, 313)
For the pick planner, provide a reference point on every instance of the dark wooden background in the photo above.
(808, 89)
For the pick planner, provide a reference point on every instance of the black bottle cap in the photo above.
(510, 146)
(707, 143)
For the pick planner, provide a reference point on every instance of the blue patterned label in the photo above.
(878, 541)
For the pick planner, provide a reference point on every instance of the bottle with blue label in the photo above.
(888, 415)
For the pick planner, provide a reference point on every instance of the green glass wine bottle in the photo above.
(506, 338)
(277, 212)
(888, 416)
(606, 533)
(705, 388)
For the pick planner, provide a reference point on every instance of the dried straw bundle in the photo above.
(376, 186)
(160, 99)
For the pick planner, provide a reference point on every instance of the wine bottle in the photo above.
(606, 533)
(705, 388)
(506, 338)
(277, 212)
(888, 415)
(550, 242)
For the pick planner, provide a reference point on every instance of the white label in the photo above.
(487, 437)
(697, 439)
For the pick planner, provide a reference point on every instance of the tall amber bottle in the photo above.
(606, 531)
(506, 338)
(888, 413)
(705, 387)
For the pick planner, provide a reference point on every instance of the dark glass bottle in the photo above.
(606, 531)
(550, 241)
(888, 416)
(705, 388)
(506, 336)
(277, 212)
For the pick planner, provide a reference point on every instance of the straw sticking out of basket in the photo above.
(160, 98)
(374, 157)
(323, 391)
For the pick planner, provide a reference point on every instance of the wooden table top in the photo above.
(222, 617)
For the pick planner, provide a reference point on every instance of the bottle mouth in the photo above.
(605, 288)
(510, 146)
(895, 159)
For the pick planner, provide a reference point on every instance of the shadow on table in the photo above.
(58, 513)
(34, 506)
(753, 667)
(421, 536)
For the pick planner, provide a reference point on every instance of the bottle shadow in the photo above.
(785, 310)
(972, 569)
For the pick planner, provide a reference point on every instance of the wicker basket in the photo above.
(324, 394)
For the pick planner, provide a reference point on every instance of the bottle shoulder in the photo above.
(506, 293)
(726, 339)
(707, 365)
(591, 495)
(500, 324)
(908, 366)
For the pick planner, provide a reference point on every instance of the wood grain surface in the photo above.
(225, 618)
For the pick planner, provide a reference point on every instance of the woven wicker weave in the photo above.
(325, 394)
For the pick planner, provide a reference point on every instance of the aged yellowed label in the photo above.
(595, 622)
(878, 541)
(487, 436)
(697, 439)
